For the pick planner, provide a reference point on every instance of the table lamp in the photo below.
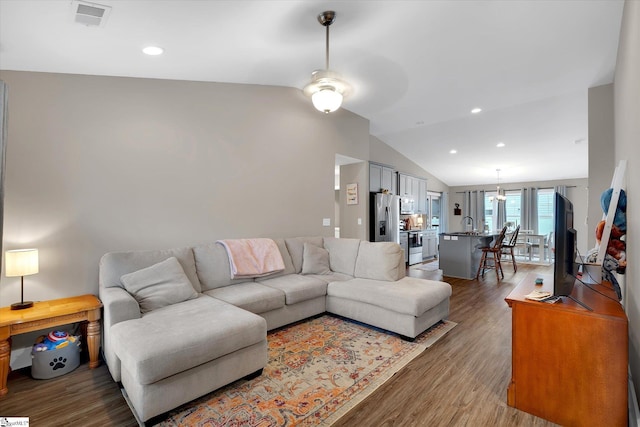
(21, 262)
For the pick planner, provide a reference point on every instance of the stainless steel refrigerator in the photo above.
(385, 218)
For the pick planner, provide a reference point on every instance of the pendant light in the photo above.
(327, 89)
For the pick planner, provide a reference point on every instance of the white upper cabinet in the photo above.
(414, 189)
(381, 178)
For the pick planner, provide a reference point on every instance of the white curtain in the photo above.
(529, 209)
(473, 206)
(3, 150)
(562, 189)
(502, 214)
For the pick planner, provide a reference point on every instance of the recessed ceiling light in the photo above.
(500, 144)
(153, 50)
(476, 110)
(453, 151)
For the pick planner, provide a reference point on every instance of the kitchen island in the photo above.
(460, 253)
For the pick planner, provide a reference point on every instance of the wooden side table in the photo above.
(47, 314)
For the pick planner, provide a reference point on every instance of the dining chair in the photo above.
(523, 245)
(492, 262)
(548, 246)
(507, 248)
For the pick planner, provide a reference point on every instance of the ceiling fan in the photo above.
(327, 89)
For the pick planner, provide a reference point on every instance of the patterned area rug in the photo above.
(317, 371)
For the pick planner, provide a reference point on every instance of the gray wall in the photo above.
(576, 192)
(97, 164)
(601, 152)
(627, 146)
(349, 214)
(383, 153)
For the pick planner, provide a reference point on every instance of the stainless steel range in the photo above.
(415, 247)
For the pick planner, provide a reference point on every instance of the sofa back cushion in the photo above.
(342, 254)
(380, 261)
(214, 271)
(286, 258)
(212, 266)
(114, 265)
(295, 245)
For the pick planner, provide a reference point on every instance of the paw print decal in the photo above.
(58, 363)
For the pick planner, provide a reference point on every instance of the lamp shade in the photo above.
(21, 262)
(327, 100)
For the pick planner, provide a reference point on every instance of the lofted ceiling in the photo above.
(417, 67)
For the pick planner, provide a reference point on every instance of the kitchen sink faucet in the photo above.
(472, 228)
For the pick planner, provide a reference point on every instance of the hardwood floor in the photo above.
(460, 381)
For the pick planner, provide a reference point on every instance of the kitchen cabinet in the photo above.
(381, 178)
(405, 183)
(421, 197)
(459, 253)
(429, 244)
(415, 189)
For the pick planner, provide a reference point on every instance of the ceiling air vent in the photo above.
(90, 14)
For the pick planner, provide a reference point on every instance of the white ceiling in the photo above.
(417, 67)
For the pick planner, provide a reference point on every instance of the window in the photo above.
(512, 208)
(489, 219)
(545, 210)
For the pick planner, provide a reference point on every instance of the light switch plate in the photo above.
(326, 222)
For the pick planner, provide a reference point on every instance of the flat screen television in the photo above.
(565, 268)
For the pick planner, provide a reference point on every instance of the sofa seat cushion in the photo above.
(408, 296)
(178, 337)
(331, 277)
(251, 296)
(297, 288)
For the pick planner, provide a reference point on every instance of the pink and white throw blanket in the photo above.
(252, 257)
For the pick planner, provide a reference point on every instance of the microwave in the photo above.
(407, 206)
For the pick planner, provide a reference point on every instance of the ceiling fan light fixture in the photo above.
(327, 89)
(327, 100)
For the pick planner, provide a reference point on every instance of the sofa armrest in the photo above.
(118, 306)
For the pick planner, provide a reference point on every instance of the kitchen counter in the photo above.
(460, 253)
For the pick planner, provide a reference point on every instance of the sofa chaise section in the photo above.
(380, 294)
(167, 352)
(175, 354)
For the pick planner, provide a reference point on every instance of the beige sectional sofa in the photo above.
(177, 326)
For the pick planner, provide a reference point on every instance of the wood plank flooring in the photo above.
(460, 381)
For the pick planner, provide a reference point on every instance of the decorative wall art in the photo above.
(352, 194)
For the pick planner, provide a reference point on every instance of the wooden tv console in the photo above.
(569, 365)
